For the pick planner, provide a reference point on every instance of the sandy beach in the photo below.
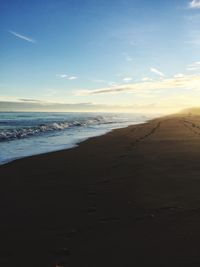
(128, 198)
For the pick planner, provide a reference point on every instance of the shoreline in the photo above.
(73, 145)
(128, 197)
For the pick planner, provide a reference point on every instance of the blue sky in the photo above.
(125, 55)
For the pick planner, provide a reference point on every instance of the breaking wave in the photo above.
(23, 132)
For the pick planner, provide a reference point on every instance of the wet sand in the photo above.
(128, 198)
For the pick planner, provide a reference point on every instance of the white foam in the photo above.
(23, 132)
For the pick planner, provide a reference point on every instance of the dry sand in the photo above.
(128, 198)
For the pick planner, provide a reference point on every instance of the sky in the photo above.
(99, 55)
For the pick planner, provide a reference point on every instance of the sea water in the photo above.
(24, 134)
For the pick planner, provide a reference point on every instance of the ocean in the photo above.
(24, 134)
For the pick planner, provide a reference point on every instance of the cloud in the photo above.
(179, 75)
(157, 72)
(72, 78)
(112, 84)
(28, 100)
(65, 76)
(23, 37)
(195, 4)
(187, 81)
(146, 79)
(24, 105)
(194, 66)
(127, 79)
(61, 75)
(85, 107)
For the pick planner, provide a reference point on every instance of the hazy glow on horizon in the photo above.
(100, 55)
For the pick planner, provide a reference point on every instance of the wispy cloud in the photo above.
(127, 79)
(113, 84)
(65, 76)
(185, 81)
(146, 79)
(109, 83)
(157, 72)
(28, 100)
(179, 75)
(23, 37)
(62, 75)
(194, 4)
(194, 66)
(72, 78)
(16, 105)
